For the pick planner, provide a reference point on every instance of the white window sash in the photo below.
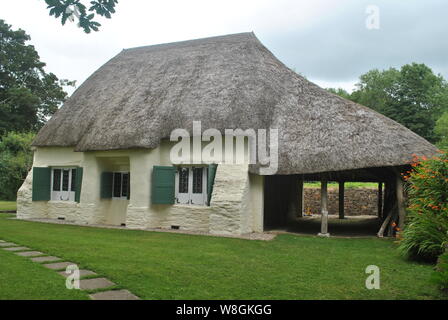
(121, 197)
(190, 197)
(61, 195)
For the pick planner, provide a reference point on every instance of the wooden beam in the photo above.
(386, 222)
(301, 197)
(389, 211)
(380, 199)
(341, 199)
(324, 208)
(293, 206)
(400, 203)
(386, 193)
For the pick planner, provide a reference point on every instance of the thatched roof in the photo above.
(141, 95)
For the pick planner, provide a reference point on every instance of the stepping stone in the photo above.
(29, 253)
(114, 295)
(97, 283)
(7, 244)
(45, 259)
(16, 248)
(82, 273)
(58, 265)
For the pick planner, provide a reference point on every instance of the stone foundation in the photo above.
(357, 201)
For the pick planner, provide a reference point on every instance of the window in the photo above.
(121, 185)
(183, 179)
(63, 181)
(197, 180)
(191, 185)
(73, 182)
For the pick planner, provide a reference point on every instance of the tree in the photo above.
(375, 89)
(340, 92)
(413, 96)
(28, 94)
(16, 159)
(441, 130)
(69, 9)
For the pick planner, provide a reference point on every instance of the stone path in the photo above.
(17, 249)
(82, 273)
(29, 253)
(7, 244)
(113, 295)
(45, 259)
(57, 264)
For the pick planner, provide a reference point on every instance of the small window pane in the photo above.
(65, 178)
(117, 185)
(125, 185)
(183, 180)
(197, 180)
(56, 179)
(73, 185)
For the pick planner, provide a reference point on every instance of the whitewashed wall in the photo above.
(236, 206)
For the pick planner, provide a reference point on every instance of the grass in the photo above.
(156, 265)
(22, 279)
(347, 185)
(8, 205)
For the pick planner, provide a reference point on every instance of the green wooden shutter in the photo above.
(106, 185)
(163, 185)
(210, 181)
(129, 186)
(41, 184)
(78, 183)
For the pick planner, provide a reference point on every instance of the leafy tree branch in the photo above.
(78, 9)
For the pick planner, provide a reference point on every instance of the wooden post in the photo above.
(380, 199)
(386, 203)
(386, 222)
(324, 209)
(294, 202)
(400, 203)
(301, 197)
(341, 199)
(389, 208)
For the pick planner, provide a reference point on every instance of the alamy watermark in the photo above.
(72, 281)
(373, 280)
(230, 148)
(373, 17)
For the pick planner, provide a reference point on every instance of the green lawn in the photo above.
(8, 205)
(157, 265)
(22, 279)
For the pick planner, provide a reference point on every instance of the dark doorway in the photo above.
(277, 198)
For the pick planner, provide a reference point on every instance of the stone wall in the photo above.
(357, 201)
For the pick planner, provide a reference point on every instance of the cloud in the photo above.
(340, 47)
(325, 40)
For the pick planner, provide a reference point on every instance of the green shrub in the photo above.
(16, 159)
(441, 275)
(426, 231)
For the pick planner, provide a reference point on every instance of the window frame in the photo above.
(57, 195)
(128, 189)
(191, 198)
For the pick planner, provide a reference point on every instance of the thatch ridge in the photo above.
(138, 97)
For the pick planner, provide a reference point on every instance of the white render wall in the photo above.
(236, 206)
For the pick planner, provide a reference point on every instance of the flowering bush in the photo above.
(426, 231)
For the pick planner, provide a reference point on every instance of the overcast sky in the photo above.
(325, 40)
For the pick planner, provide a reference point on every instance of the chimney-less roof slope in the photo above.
(141, 95)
